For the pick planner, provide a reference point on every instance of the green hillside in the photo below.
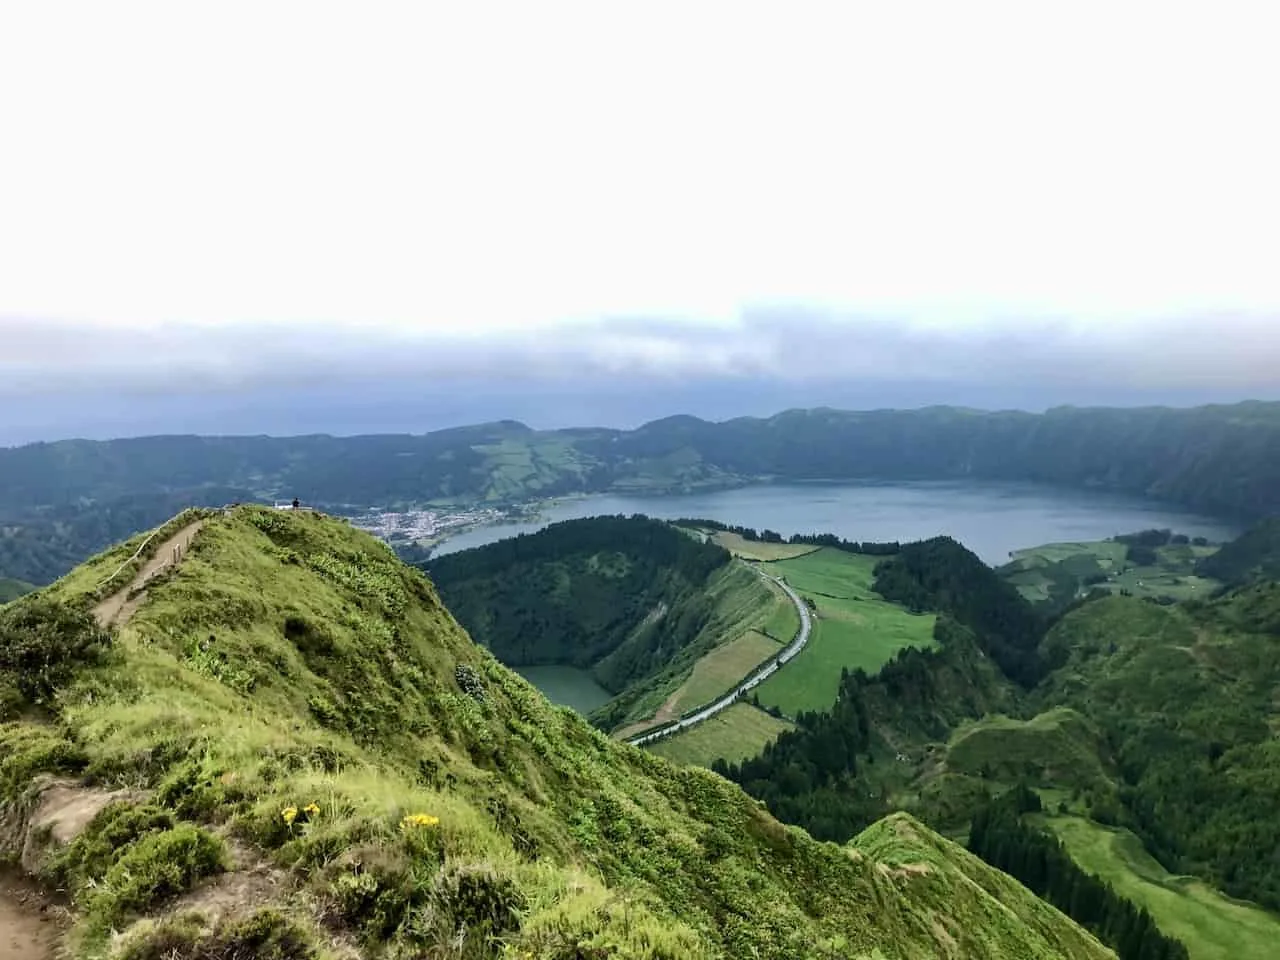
(1255, 555)
(13, 589)
(662, 620)
(287, 747)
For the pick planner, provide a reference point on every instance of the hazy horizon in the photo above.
(427, 217)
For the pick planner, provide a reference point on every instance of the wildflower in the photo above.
(289, 814)
(312, 809)
(419, 820)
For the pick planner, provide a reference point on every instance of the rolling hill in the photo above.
(283, 745)
(1220, 460)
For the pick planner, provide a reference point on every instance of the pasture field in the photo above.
(854, 627)
(758, 550)
(1063, 570)
(1211, 925)
(722, 668)
(732, 735)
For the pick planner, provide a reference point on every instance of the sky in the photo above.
(280, 217)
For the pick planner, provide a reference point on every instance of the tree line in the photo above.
(1001, 837)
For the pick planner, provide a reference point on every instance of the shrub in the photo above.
(89, 857)
(266, 935)
(154, 869)
(41, 644)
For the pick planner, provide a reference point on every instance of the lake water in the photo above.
(991, 519)
(568, 686)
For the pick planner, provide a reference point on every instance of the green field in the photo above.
(1212, 926)
(721, 669)
(732, 735)
(853, 627)
(1065, 569)
(758, 550)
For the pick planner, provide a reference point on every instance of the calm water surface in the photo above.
(991, 519)
(568, 686)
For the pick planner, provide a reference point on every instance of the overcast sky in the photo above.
(274, 197)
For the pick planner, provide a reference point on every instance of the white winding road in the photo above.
(763, 674)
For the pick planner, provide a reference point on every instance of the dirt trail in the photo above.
(30, 927)
(118, 608)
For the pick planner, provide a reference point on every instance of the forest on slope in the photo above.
(291, 749)
(635, 601)
(1129, 712)
(1222, 460)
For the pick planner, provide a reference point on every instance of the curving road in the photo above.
(763, 674)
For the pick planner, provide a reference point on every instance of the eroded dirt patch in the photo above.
(31, 926)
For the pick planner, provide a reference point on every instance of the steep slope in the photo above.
(13, 589)
(1188, 698)
(1254, 555)
(635, 601)
(292, 750)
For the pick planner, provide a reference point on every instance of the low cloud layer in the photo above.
(1236, 353)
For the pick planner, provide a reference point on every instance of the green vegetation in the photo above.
(13, 589)
(299, 706)
(1255, 555)
(1212, 927)
(660, 618)
(1186, 697)
(853, 629)
(1057, 749)
(759, 549)
(1057, 574)
(722, 668)
(735, 734)
(59, 502)
(1002, 837)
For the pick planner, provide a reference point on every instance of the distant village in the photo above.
(426, 526)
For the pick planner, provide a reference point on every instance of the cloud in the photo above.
(1236, 352)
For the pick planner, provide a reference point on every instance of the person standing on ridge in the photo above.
(295, 503)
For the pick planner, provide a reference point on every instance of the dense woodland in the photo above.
(1000, 836)
(1220, 459)
(1253, 556)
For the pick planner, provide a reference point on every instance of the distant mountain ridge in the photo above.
(1223, 460)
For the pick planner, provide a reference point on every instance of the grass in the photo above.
(11, 589)
(750, 618)
(853, 628)
(1211, 925)
(296, 696)
(733, 735)
(1056, 748)
(759, 550)
(723, 668)
(1062, 569)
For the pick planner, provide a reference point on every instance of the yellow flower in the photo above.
(289, 814)
(419, 820)
(312, 809)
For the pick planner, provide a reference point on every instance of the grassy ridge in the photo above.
(1212, 926)
(723, 667)
(739, 546)
(296, 696)
(854, 628)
